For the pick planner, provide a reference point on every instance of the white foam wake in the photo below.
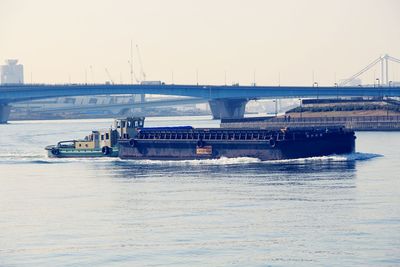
(248, 160)
(220, 161)
(42, 158)
(356, 156)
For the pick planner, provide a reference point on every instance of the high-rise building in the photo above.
(11, 73)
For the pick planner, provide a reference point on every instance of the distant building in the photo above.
(11, 73)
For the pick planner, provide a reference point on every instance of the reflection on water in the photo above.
(246, 167)
(338, 210)
(131, 169)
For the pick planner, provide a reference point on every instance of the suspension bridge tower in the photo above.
(383, 61)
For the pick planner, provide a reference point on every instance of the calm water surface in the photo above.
(329, 211)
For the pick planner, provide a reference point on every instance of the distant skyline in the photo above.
(187, 41)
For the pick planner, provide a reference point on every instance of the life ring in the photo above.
(200, 143)
(55, 151)
(105, 150)
(132, 142)
(272, 142)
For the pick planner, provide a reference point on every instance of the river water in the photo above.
(328, 211)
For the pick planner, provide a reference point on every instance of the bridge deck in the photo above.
(16, 93)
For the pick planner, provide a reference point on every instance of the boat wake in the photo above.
(220, 161)
(20, 156)
(357, 156)
(23, 158)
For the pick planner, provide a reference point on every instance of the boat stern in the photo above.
(52, 151)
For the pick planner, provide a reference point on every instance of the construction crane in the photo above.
(141, 64)
(109, 76)
(130, 61)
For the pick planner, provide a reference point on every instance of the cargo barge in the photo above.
(183, 143)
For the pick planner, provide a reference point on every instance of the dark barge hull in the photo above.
(261, 144)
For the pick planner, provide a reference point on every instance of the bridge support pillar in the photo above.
(4, 113)
(228, 108)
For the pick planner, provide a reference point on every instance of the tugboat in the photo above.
(129, 139)
(98, 143)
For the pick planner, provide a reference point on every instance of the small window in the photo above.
(107, 136)
(86, 145)
(80, 145)
(102, 137)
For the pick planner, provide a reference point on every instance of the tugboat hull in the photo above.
(55, 152)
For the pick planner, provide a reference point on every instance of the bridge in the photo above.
(225, 101)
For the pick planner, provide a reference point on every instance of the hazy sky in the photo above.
(60, 40)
